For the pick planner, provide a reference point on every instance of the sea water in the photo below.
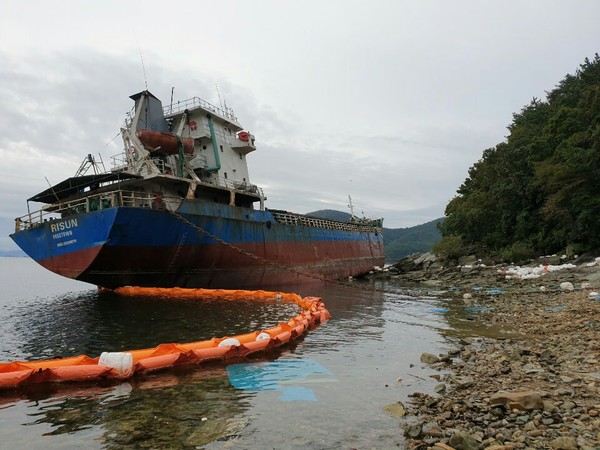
(327, 390)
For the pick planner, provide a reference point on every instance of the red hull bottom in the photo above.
(73, 264)
(216, 266)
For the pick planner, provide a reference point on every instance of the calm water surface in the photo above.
(326, 391)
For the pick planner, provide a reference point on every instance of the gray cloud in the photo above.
(390, 102)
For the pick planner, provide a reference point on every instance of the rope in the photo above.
(314, 276)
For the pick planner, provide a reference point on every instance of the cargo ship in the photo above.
(177, 208)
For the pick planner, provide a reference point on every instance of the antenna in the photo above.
(219, 95)
(350, 206)
(144, 69)
(141, 59)
(172, 91)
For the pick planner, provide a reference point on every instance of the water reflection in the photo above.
(175, 410)
(373, 339)
(92, 322)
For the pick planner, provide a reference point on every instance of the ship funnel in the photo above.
(149, 112)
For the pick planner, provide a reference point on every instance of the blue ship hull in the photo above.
(123, 246)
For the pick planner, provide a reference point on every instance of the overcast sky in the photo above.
(388, 101)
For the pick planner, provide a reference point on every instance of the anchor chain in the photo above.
(289, 269)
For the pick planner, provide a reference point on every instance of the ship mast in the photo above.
(351, 207)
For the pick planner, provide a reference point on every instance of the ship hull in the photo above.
(126, 246)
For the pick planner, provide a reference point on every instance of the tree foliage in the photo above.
(540, 189)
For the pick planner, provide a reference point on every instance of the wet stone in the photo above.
(395, 409)
(413, 431)
(429, 358)
(440, 388)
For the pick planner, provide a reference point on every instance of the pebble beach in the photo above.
(531, 380)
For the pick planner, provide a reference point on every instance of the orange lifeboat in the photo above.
(164, 143)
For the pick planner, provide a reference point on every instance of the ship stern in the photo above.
(68, 245)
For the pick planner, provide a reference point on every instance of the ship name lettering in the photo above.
(64, 225)
(62, 244)
(62, 234)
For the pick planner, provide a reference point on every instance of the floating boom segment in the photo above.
(123, 365)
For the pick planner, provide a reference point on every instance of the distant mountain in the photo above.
(330, 214)
(12, 253)
(398, 242)
(401, 242)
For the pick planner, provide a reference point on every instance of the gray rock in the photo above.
(548, 406)
(413, 431)
(526, 400)
(522, 419)
(428, 358)
(425, 259)
(463, 382)
(432, 429)
(568, 406)
(564, 443)
(463, 441)
(470, 259)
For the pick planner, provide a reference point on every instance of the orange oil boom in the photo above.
(122, 365)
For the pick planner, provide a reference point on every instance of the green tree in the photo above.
(540, 189)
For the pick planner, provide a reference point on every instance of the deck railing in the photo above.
(96, 202)
(240, 186)
(288, 218)
(196, 102)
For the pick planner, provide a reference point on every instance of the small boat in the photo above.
(178, 209)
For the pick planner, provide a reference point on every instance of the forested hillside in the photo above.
(539, 191)
(397, 242)
(401, 242)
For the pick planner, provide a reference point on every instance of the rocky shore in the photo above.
(531, 383)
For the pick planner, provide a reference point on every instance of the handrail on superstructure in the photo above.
(119, 161)
(197, 102)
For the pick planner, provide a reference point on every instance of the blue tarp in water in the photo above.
(280, 375)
